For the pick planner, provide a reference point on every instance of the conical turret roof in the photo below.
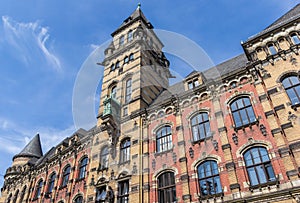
(32, 149)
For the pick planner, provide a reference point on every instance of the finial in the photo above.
(139, 5)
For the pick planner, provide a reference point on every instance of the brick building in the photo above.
(227, 134)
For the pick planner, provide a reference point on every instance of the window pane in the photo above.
(252, 176)
(244, 116)
(270, 172)
(217, 185)
(294, 80)
(251, 114)
(286, 83)
(233, 106)
(248, 158)
(261, 174)
(264, 154)
(239, 103)
(237, 119)
(247, 101)
(292, 95)
(256, 156)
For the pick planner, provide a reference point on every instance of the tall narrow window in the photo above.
(22, 194)
(272, 49)
(104, 158)
(113, 92)
(38, 190)
(128, 91)
(82, 167)
(129, 36)
(166, 188)
(123, 192)
(164, 139)
(121, 40)
(259, 167)
(131, 57)
(125, 151)
(242, 112)
(51, 182)
(295, 38)
(78, 199)
(209, 179)
(126, 59)
(291, 85)
(101, 194)
(200, 126)
(66, 175)
(16, 196)
(9, 198)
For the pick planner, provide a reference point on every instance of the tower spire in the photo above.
(139, 6)
(32, 149)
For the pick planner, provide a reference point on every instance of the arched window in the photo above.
(259, 167)
(38, 190)
(242, 112)
(200, 126)
(104, 158)
(131, 57)
(22, 194)
(51, 182)
(295, 38)
(128, 91)
(66, 176)
(82, 167)
(164, 139)
(209, 179)
(166, 188)
(125, 151)
(123, 192)
(126, 59)
(117, 64)
(16, 196)
(112, 67)
(9, 198)
(78, 199)
(113, 92)
(291, 85)
(129, 36)
(101, 194)
(272, 49)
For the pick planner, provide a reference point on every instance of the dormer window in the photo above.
(192, 84)
(272, 49)
(121, 40)
(295, 38)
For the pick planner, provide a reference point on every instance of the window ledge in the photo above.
(124, 162)
(205, 197)
(246, 125)
(259, 186)
(202, 140)
(294, 106)
(163, 152)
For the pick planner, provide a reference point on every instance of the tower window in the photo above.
(259, 167)
(129, 36)
(121, 40)
(113, 92)
(166, 188)
(291, 85)
(117, 64)
(128, 90)
(131, 57)
(209, 179)
(163, 139)
(125, 151)
(126, 59)
(272, 49)
(242, 112)
(295, 38)
(123, 192)
(112, 67)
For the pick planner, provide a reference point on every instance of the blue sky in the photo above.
(43, 45)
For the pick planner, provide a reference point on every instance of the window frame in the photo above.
(164, 141)
(129, 36)
(237, 112)
(98, 190)
(38, 190)
(123, 193)
(166, 185)
(51, 182)
(104, 158)
(295, 38)
(121, 40)
(82, 168)
(265, 166)
(293, 88)
(113, 92)
(78, 198)
(128, 90)
(211, 174)
(272, 49)
(125, 147)
(66, 175)
(205, 123)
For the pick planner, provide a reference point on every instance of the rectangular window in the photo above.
(123, 192)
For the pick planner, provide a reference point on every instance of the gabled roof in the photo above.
(136, 15)
(32, 149)
(291, 15)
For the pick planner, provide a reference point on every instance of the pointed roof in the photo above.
(135, 16)
(32, 149)
(288, 17)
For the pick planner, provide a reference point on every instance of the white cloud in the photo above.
(29, 40)
(14, 137)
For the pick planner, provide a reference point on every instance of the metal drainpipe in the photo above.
(141, 195)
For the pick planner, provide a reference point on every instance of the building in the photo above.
(231, 138)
